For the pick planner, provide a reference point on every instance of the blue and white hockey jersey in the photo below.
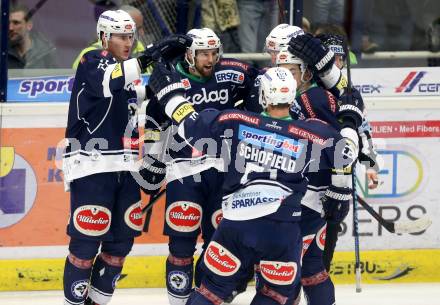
(317, 103)
(268, 160)
(230, 83)
(102, 131)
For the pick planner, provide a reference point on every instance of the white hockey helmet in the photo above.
(285, 57)
(277, 86)
(203, 39)
(115, 22)
(280, 36)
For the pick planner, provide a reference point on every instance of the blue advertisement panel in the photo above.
(43, 88)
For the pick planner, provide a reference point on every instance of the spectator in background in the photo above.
(328, 11)
(28, 49)
(222, 17)
(257, 19)
(392, 24)
(138, 47)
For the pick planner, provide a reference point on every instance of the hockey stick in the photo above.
(353, 179)
(398, 227)
(356, 233)
(153, 200)
(147, 209)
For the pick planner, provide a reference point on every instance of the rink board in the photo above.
(398, 266)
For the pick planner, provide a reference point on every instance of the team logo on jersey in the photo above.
(320, 237)
(274, 125)
(278, 273)
(307, 241)
(178, 281)
(216, 217)
(215, 96)
(184, 216)
(92, 220)
(186, 83)
(220, 260)
(229, 76)
(79, 289)
(133, 216)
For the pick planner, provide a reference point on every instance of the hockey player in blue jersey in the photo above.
(367, 152)
(322, 62)
(277, 39)
(193, 196)
(313, 101)
(100, 159)
(265, 181)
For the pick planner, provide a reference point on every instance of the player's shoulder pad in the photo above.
(98, 53)
(94, 57)
(235, 64)
(324, 98)
(314, 130)
(234, 115)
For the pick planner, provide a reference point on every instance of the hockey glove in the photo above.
(166, 50)
(165, 83)
(350, 112)
(153, 174)
(313, 52)
(336, 203)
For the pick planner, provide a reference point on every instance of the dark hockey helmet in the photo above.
(334, 42)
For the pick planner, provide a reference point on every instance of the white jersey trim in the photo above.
(184, 167)
(79, 163)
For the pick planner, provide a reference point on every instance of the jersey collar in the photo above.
(286, 118)
(181, 69)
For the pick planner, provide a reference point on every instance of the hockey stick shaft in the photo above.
(153, 200)
(148, 209)
(353, 179)
(356, 234)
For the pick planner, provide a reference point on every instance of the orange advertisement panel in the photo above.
(34, 208)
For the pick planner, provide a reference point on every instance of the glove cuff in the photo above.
(331, 77)
(151, 164)
(338, 193)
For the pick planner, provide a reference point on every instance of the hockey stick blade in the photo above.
(412, 226)
(398, 227)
